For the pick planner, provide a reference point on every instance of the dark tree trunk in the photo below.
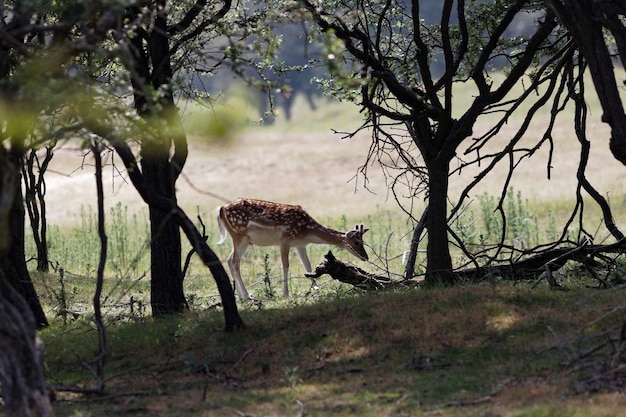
(409, 270)
(153, 199)
(439, 264)
(36, 204)
(153, 72)
(167, 294)
(14, 265)
(23, 388)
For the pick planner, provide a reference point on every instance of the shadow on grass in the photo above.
(361, 354)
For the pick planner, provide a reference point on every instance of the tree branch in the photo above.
(584, 20)
(100, 358)
(209, 258)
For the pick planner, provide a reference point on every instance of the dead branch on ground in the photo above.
(540, 266)
(546, 263)
(355, 276)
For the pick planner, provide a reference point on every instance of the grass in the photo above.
(74, 254)
(470, 350)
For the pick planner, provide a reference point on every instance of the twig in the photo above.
(201, 191)
(193, 250)
(246, 353)
(465, 403)
(301, 404)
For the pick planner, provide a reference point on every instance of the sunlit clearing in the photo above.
(502, 321)
(219, 121)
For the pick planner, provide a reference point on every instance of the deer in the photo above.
(263, 223)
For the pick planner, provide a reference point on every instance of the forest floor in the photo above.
(476, 350)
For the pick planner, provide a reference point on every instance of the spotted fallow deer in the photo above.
(262, 223)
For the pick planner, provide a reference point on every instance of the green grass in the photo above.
(74, 254)
(470, 350)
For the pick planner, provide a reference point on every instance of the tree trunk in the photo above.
(34, 185)
(439, 261)
(210, 259)
(152, 71)
(166, 296)
(14, 265)
(409, 271)
(23, 388)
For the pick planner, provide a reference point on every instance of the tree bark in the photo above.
(35, 187)
(14, 265)
(209, 258)
(23, 389)
(356, 276)
(409, 271)
(439, 261)
(166, 295)
(152, 71)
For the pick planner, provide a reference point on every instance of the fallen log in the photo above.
(544, 264)
(355, 276)
(540, 266)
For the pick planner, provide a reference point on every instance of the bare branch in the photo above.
(100, 358)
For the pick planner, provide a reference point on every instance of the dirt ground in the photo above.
(317, 169)
(313, 170)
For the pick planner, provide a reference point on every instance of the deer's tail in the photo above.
(220, 225)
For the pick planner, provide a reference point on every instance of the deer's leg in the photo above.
(284, 257)
(234, 260)
(307, 264)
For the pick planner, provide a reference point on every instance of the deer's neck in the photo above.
(325, 235)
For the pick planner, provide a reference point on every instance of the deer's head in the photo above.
(354, 242)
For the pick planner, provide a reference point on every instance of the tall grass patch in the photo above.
(77, 248)
(73, 252)
(522, 222)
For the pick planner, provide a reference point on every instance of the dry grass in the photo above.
(304, 162)
(471, 350)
